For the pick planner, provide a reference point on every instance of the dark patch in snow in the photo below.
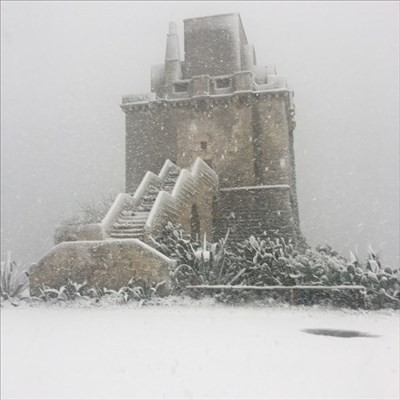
(339, 333)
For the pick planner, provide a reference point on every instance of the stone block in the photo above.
(243, 81)
(199, 86)
(109, 263)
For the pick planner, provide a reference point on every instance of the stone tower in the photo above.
(217, 104)
(218, 130)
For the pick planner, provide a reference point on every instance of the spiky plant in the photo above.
(14, 280)
(208, 264)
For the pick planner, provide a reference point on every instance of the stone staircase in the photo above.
(130, 223)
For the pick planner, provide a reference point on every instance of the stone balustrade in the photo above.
(196, 187)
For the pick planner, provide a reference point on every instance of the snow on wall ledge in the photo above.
(106, 263)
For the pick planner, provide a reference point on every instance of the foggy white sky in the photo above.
(65, 66)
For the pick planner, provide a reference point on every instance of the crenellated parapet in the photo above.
(210, 87)
(151, 104)
(218, 60)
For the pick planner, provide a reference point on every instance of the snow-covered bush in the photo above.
(382, 283)
(278, 263)
(136, 290)
(14, 280)
(266, 262)
(198, 263)
(70, 291)
(92, 212)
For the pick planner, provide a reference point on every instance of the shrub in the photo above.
(14, 280)
(204, 263)
(265, 262)
(71, 291)
(136, 290)
(92, 212)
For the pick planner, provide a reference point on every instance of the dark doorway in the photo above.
(195, 224)
(215, 213)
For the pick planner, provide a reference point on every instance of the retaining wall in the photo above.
(106, 263)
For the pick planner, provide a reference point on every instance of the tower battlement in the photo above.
(218, 61)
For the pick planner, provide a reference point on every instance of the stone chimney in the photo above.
(172, 56)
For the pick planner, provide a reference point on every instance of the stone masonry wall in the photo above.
(243, 137)
(270, 121)
(150, 140)
(212, 45)
(219, 133)
(253, 211)
(110, 264)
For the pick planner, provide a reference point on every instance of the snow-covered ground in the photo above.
(204, 351)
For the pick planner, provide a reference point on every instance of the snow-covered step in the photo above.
(147, 203)
(132, 220)
(174, 173)
(124, 234)
(129, 213)
(169, 182)
(130, 223)
(118, 235)
(127, 231)
(146, 207)
(149, 199)
(137, 216)
(169, 188)
(128, 226)
(140, 221)
(151, 195)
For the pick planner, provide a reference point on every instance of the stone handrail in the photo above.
(167, 167)
(170, 207)
(123, 201)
